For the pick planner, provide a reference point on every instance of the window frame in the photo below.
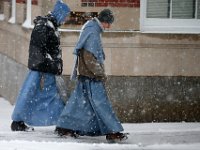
(167, 25)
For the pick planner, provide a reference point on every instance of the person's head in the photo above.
(106, 18)
(60, 12)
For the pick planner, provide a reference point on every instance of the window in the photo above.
(110, 3)
(170, 16)
(79, 18)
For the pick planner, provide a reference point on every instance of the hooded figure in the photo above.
(60, 12)
(88, 110)
(38, 102)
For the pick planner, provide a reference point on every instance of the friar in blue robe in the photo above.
(39, 102)
(88, 110)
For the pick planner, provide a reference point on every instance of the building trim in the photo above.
(27, 23)
(13, 16)
(113, 31)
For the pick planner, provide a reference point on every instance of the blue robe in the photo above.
(88, 110)
(37, 105)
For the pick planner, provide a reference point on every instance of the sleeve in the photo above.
(54, 66)
(54, 62)
(39, 36)
(93, 66)
(37, 48)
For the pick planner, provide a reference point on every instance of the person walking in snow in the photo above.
(88, 110)
(38, 102)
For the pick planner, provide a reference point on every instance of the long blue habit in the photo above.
(88, 110)
(36, 106)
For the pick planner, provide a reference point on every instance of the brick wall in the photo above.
(34, 2)
(110, 3)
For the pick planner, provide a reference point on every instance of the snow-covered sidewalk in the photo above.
(146, 136)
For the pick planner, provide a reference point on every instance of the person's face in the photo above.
(106, 25)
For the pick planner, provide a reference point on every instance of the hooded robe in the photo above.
(39, 102)
(88, 110)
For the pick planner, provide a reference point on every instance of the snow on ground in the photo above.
(146, 136)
